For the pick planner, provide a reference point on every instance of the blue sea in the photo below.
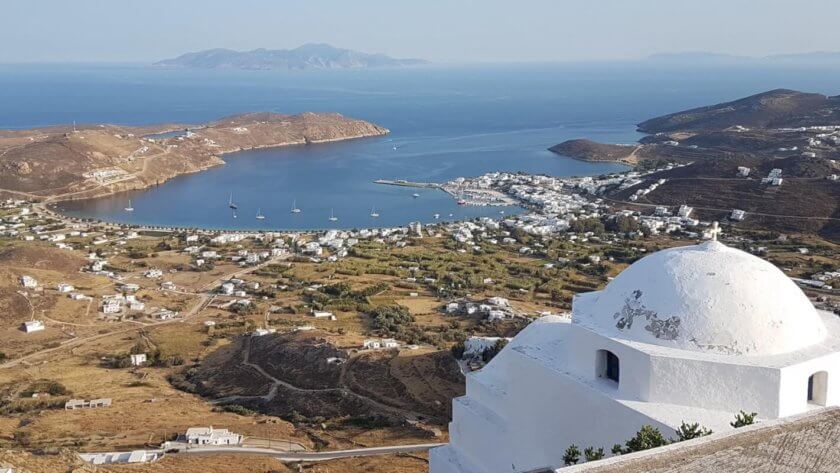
(445, 122)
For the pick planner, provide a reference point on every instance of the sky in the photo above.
(437, 30)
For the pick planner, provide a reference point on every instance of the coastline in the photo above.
(60, 164)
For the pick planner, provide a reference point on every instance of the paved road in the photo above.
(311, 456)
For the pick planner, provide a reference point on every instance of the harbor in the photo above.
(459, 190)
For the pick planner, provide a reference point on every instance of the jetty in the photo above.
(404, 183)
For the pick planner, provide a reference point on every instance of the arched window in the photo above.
(608, 365)
(817, 388)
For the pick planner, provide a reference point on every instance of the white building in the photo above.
(28, 282)
(107, 458)
(692, 334)
(138, 359)
(321, 314)
(377, 344)
(227, 288)
(63, 287)
(111, 306)
(211, 436)
(33, 326)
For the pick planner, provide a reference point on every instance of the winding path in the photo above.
(276, 383)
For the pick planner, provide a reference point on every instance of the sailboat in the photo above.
(333, 218)
(129, 208)
(374, 213)
(260, 216)
(230, 202)
(295, 210)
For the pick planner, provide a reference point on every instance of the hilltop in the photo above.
(63, 162)
(308, 56)
(796, 132)
(773, 109)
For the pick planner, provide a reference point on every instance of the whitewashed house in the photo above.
(138, 359)
(63, 287)
(28, 282)
(112, 306)
(33, 326)
(211, 436)
(322, 314)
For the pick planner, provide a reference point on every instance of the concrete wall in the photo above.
(539, 414)
(793, 391)
(719, 386)
(582, 359)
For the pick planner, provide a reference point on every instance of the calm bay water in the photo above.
(445, 121)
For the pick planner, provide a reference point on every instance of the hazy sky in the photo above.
(439, 30)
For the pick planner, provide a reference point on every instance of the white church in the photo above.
(692, 334)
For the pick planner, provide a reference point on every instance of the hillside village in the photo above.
(335, 339)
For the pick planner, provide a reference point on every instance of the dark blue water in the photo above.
(446, 122)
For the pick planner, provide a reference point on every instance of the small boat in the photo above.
(295, 210)
(502, 212)
(234, 215)
(230, 202)
(333, 218)
(415, 195)
(260, 216)
(374, 213)
(437, 216)
(462, 202)
(129, 208)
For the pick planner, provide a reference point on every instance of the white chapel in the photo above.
(695, 334)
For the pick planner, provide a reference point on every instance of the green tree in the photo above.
(591, 454)
(692, 431)
(743, 419)
(572, 455)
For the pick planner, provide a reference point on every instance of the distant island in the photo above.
(308, 56)
(712, 58)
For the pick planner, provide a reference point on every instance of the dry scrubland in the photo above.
(52, 163)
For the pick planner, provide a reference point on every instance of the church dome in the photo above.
(708, 298)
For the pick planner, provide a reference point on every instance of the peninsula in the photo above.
(75, 162)
(773, 154)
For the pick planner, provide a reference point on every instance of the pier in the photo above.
(404, 183)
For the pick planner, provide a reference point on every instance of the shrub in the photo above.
(389, 318)
(591, 454)
(743, 419)
(572, 455)
(692, 431)
(647, 437)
